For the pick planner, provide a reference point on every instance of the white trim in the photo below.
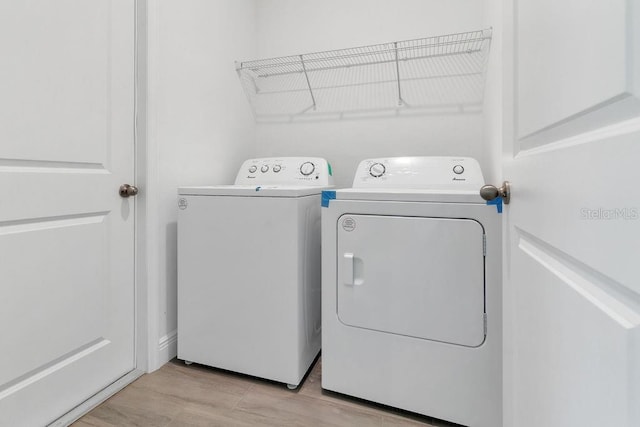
(168, 347)
(508, 150)
(150, 229)
(145, 309)
(96, 399)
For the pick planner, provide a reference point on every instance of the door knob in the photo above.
(127, 190)
(490, 192)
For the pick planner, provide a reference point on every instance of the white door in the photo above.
(66, 237)
(572, 150)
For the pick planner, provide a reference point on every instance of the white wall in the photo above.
(200, 126)
(492, 136)
(300, 26)
(199, 129)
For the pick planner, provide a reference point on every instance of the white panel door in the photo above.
(418, 277)
(66, 237)
(572, 147)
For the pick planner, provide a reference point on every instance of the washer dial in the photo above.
(277, 168)
(253, 168)
(264, 168)
(307, 168)
(376, 170)
(458, 169)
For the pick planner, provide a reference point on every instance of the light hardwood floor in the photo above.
(180, 395)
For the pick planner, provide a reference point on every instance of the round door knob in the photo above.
(127, 190)
(490, 192)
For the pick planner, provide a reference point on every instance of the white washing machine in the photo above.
(249, 269)
(411, 289)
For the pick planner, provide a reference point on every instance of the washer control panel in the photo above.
(312, 171)
(419, 173)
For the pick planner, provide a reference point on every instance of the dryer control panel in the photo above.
(298, 171)
(435, 173)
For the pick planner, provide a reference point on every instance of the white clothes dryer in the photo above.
(411, 289)
(249, 269)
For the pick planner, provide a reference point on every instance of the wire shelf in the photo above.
(441, 73)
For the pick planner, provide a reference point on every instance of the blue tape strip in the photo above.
(498, 202)
(327, 196)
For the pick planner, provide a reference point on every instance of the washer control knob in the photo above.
(307, 168)
(458, 169)
(377, 170)
(277, 168)
(264, 168)
(253, 168)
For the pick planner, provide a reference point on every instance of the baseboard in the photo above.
(96, 399)
(167, 347)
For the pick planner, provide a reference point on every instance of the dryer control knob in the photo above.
(377, 170)
(458, 169)
(307, 168)
(277, 168)
(253, 168)
(264, 168)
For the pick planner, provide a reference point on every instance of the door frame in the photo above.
(506, 132)
(146, 311)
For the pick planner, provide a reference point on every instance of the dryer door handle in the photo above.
(346, 268)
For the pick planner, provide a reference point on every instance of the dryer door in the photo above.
(419, 277)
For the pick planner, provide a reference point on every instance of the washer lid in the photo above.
(251, 190)
(410, 195)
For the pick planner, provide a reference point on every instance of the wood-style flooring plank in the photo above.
(177, 395)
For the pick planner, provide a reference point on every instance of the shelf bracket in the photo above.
(400, 100)
(306, 76)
